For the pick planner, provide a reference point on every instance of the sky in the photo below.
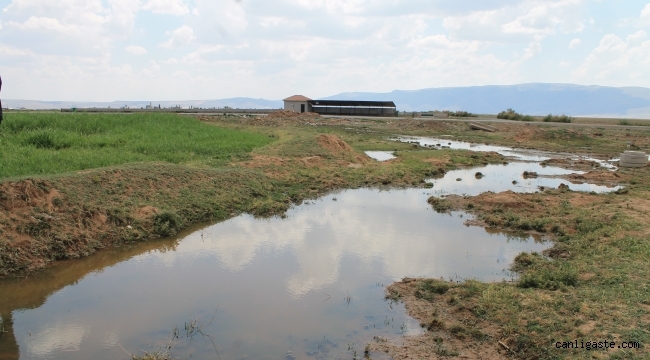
(106, 50)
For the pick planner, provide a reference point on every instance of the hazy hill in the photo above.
(236, 103)
(533, 99)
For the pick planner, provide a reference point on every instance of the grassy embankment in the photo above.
(75, 183)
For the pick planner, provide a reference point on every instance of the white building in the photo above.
(298, 103)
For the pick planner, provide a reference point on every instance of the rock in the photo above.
(563, 187)
(529, 174)
(479, 175)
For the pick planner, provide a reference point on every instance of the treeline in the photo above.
(510, 114)
(459, 114)
(558, 118)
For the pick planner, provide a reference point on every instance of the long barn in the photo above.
(301, 104)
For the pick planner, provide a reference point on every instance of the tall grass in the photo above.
(54, 143)
(626, 122)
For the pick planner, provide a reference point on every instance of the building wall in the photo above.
(295, 106)
(359, 111)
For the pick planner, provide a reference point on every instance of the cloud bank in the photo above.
(197, 49)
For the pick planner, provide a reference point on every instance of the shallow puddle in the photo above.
(498, 178)
(381, 155)
(310, 286)
(515, 153)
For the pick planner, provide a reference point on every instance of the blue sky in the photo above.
(104, 50)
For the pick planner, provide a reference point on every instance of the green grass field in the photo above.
(53, 143)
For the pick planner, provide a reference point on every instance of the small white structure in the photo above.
(633, 159)
(298, 103)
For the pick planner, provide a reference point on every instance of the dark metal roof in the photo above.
(352, 103)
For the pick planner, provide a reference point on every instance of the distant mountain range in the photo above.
(532, 99)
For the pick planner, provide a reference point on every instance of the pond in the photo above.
(308, 286)
(381, 155)
(504, 177)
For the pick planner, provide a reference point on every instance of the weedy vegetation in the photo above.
(55, 143)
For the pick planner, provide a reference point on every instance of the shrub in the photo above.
(166, 224)
(558, 118)
(513, 115)
(459, 114)
(550, 278)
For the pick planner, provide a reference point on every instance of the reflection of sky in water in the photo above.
(271, 280)
(498, 178)
(381, 155)
(519, 154)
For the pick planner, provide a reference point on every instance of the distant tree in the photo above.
(460, 114)
(558, 118)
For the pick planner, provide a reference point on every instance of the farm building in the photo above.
(300, 104)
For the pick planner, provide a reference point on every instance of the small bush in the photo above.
(558, 118)
(513, 115)
(550, 278)
(460, 114)
(166, 224)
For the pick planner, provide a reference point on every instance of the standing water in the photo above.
(308, 286)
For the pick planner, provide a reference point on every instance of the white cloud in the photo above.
(574, 43)
(121, 19)
(320, 47)
(136, 50)
(617, 61)
(519, 21)
(182, 36)
(645, 13)
(173, 7)
(152, 70)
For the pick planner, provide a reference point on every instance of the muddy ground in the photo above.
(592, 284)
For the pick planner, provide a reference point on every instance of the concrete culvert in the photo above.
(633, 159)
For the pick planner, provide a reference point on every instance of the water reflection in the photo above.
(381, 155)
(515, 153)
(279, 284)
(498, 178)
